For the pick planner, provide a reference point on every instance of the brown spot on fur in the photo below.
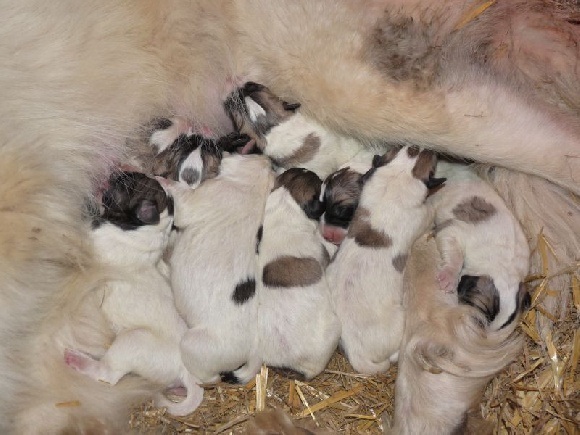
(413, 151)
(364, 235)
(303, 154)
(441, 226)
(304, 186)
(388, 156)
(289, 271)
(211, 164)
(474, 210)
(425, 165)
(399, 262)
(404, 49)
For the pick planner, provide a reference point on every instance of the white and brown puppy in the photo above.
(130, 235)
(298, 328)
(448, 354)
(282, 133)
(214, 265)
(478, 235)
(366, 277)
(340, 194)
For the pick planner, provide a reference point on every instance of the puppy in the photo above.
(448, 353)
(478, 235)
(131, 235)
(214, 267)
(340, 194)
(366, 276)
(282, 133)
(298, 328)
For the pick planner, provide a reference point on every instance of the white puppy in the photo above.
(298, 328)
(366, 277)
(478, 235)
(131, 235)
(447, 354)
(213, 267)
(282, 133)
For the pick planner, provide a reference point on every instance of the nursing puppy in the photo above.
(340, 194)
(477, 235)
(298, 328)
(448, 353)
(366, 277)
(501, 89)
(131, 235)
(214, 267)
(281, 132)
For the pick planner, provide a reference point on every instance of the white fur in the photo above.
(214, 251)
(365, 287)
(162, 138)
(142, 313)
(297, 325)
(496, 247)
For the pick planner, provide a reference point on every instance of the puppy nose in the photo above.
(333, 234)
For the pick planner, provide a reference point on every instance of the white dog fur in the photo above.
(447, 356)
(77, 80)
(214, 266)
(478, 235)
(366, 276)
(140, 307)
(297, 325)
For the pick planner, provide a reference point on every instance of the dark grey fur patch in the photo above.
(399, 262)
(244, 291)
(441, 226)
(290, 373)
(364, 235)
(481, 293)
(474, 210)
(289, 271)
(259, 236)
(190, 176)
(404, 49)
(303, 154)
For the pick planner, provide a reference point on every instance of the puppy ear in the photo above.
(434, 185)
(291, 107)
(147, 212)
(313, 209)
(376, 161)
(425, 165)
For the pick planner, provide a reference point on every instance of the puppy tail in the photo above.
(548, 215)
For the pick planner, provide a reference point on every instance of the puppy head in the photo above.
(341, 194)
(304, 186)
(481, 293)
(255, 110)
(133, 200)
(421, 164)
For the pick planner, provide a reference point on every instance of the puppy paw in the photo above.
(80, 361)
(447, 278)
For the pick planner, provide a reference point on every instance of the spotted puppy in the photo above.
(298, 328)
(366, 276)
(184, 156)
(340, 194)
(448, 353)
(478, 235)
(214, 265)
(130, 235)
(281, 132)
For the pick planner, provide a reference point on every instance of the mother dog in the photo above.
(78, 79)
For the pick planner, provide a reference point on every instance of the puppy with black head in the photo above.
(280, 131)
(130, 235)
(366, 277)
(298, 328)
(214, 267)
(478, 235)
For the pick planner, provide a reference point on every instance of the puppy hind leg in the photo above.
(452, 262)
(203, 356)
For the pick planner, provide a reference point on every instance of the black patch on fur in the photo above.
(233, 141)
(259, 236)
(523, 303)
(341, 197)
(133, 200)
(481, 293)
(244, 291)
(229, 377)
(161, 124)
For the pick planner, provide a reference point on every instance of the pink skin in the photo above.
(333, 234)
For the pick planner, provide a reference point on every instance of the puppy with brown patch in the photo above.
(297, 325)
(447, 354)
(366, 277)
(478, 235)
(340, 194)
(214, 267)
(282, 133)
(130, 235)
